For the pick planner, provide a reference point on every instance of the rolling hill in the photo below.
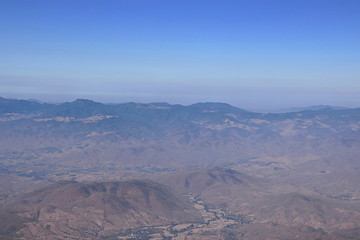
(93, 210)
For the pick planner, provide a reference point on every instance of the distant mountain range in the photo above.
(313, 108)
(34, 104)
(160, 134)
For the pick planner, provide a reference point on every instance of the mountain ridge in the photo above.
(202, 105)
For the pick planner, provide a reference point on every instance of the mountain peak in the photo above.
(84, 101)
(212, 105)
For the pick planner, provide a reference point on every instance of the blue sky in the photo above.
(253, 53)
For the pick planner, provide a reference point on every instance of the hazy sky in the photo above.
(249, 53)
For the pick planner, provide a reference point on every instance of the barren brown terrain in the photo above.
(81, 170)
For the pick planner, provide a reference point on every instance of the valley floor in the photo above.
(215, 220)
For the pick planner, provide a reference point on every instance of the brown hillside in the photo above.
(295, 209)
(217, 186)
(72, 209)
